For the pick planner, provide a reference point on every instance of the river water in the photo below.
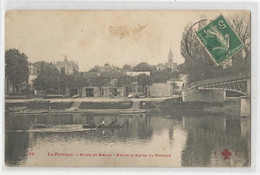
(149, 140)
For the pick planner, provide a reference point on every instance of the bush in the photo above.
(106, 105)
(48, 105)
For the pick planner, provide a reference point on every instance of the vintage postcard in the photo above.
(127, 88)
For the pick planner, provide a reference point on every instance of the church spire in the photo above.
(170, 56)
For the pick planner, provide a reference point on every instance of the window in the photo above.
(130, 89)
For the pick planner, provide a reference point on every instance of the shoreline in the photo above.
(119, 106)
(82, 111)
(91, 99)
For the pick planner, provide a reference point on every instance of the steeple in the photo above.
(170, 56)
(65, 58)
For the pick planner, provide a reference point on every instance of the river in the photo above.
(178, 140)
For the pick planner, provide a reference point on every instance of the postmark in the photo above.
(219, 39)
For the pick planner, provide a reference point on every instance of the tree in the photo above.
(94, 69)
(16, 67)
(126, 67)
(76, 80)
(124, 81)
(241, 24)
(144, 81)
(163, 75)
(48, 78)
(198, 64)
(142, 67)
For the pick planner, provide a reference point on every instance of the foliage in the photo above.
(16, 66)
(125, 81)
(47, 78)
(106, 105)
(144, 81)
(242, 60)
(163, 75)
(94, 69)
(76, 80)
(126, 67)
(143, 66)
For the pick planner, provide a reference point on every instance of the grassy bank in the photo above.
(67, 105)
(177, 103)
(41, 105)
(106, 105)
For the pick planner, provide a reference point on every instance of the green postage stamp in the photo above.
(219, 39)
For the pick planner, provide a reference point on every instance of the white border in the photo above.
(167, 5)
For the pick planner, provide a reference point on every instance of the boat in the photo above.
(31, 112)
(17, 109)
(115, 126)
(132, 111)
(41, 126)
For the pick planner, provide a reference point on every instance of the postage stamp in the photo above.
(219, 39)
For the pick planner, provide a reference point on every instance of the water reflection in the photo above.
(192, 140)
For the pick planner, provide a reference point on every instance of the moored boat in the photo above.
(115, 126)
(132, 111)
(41, 126)
(17, 109)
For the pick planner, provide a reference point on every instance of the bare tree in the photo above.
(242, 26)
(198, 64)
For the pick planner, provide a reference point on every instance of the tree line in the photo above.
(51, 80)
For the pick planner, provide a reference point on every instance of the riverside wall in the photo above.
(203, 96)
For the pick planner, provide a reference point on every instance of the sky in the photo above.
(98, 37)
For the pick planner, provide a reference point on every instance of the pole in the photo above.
(59, 84)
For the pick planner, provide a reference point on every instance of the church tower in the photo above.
(170, 56)
(172, 65)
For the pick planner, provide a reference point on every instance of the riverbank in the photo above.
(120, 105)
(231, 106)
(89, 99)
(80, 103)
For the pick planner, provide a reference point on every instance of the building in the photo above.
(160, 67)
(161, 90)
(171, 64)
(177, 85)
(34, 70)
(108, 89)
(108, 68)
(134, 89)
(135, 73)
(69, 66)
(91, 91)
(23, 88)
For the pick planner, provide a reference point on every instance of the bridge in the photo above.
(214, 89)
(236, 82)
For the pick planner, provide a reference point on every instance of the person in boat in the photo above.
(112, 123)
(92, 124)
(102, 123)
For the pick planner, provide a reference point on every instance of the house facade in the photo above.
(91, 91)
(69, 66)
(136, 73)
(161, 90)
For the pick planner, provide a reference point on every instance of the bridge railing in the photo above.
(221, 79)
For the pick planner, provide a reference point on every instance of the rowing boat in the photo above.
(115, 126)
(132, 111)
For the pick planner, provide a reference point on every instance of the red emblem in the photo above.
(226, 154)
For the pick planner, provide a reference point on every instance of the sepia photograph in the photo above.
(127, 88)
